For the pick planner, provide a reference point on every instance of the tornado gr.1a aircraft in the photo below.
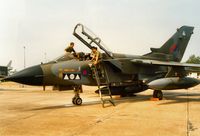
(117, 74)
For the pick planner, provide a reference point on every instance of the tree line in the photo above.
(193, 59)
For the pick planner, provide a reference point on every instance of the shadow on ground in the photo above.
(169, 98)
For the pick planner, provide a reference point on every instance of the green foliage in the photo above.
(193, 59)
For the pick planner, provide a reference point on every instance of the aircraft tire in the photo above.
(78, 101)
(158, 94)
(74, 100)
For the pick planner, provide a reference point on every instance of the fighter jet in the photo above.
(5, 70)
(116, 74)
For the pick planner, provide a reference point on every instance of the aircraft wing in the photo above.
(126, 65)
(164, 63)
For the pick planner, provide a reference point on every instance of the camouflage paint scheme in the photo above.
(159, 70)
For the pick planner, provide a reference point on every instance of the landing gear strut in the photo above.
(77, 99)
(158, 94)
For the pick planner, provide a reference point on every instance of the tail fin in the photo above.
(9, 66)
(9, 63)
(174, 48)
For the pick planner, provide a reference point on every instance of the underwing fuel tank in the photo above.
(172, 83)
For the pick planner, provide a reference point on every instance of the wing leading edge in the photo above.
(164, 63)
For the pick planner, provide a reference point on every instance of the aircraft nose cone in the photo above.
(29, 76)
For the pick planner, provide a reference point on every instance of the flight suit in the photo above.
(96, 57)
(70, 49)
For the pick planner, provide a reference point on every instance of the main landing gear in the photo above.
(158, 94)
(76, 100)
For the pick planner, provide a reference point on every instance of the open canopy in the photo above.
(87, 37)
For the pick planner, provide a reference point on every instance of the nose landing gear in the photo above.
(76, 100)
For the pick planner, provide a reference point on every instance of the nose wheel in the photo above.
(158, 94)
(76, 100)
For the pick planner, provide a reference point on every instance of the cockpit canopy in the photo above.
(87, 37)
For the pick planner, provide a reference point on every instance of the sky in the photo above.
(125, 26)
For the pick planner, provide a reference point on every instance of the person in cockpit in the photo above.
(70, 52)
(70, 48)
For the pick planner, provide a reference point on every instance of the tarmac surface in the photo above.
(29, 111)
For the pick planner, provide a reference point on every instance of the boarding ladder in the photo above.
(103, 97)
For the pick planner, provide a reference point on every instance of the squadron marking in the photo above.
(72, 77)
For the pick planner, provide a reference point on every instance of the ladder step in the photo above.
(107, 99)
(105, 94)
(103, 84)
